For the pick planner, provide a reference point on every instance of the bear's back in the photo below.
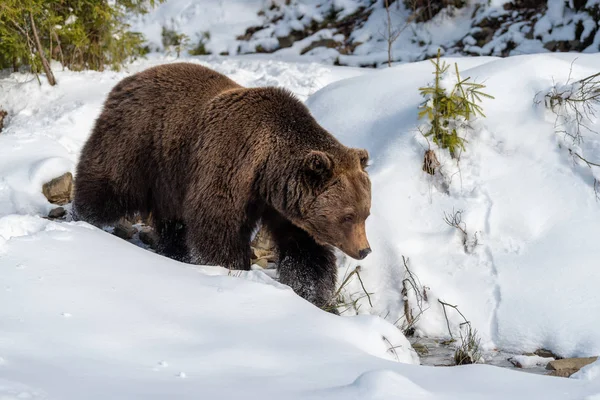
(142, 137)
(159, 109)
(174, 88)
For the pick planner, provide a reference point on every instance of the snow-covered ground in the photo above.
(356, 32)
(224, 20)
(84, 314)
(532, 280)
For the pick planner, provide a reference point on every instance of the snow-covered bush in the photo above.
(574, 106)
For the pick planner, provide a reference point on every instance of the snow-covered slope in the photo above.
(86, 315)
(532, 281)
(224, 20)
(357, 32)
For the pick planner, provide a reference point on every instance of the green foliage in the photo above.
(450, 112)
(200, 48)
(178, 42)
(81, 34)
(14, 50)
(173, 41)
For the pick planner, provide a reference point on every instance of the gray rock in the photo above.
(570, 364)
(515, 362)
(421, 349)
(59, 190)
(328, 43)
(149, 237)
(261, 262)
(124, 229)
(545, 353)
(57, 212)
(563, 373)
(263, 247)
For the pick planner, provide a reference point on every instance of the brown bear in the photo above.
(210, 160)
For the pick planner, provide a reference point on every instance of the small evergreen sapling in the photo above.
(200, 48)
(450, 111)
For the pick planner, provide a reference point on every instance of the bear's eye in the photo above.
(348, 218)
(364, 162)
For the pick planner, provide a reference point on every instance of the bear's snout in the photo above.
(363, 253)
(357, 246)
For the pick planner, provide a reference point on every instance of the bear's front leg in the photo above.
(228, 251)
(218, 237)
(307, 267)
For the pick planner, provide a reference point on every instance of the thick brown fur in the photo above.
(210, 160)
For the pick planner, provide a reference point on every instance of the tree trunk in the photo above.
(40, 51)
(59, 46)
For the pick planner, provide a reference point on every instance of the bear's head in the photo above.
(338, 200)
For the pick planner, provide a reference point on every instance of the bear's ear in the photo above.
(363, 156)
(318, 164)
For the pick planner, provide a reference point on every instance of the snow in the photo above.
(589, 372)
(155, 328)
(523, 361)
(193, 17)
(81, 308)
(249, 26)
(94, 309)
(531, 282)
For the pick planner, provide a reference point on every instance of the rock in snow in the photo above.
(568, 366)
(57, 212)
(59, 190)
(148, 237)
(124, 229)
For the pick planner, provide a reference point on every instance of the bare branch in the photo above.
(589, 163)
(411, 284)
(444, 305)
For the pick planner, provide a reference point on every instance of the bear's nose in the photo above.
(364, 252)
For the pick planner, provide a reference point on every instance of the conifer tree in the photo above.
(450, 110)
(80, 34)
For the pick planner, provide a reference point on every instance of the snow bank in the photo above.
(532, 280)
(589, 372)
(82, 308)
(88, 315)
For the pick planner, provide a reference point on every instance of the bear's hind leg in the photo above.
(96, 202)
(306, 266)
(171, 239)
